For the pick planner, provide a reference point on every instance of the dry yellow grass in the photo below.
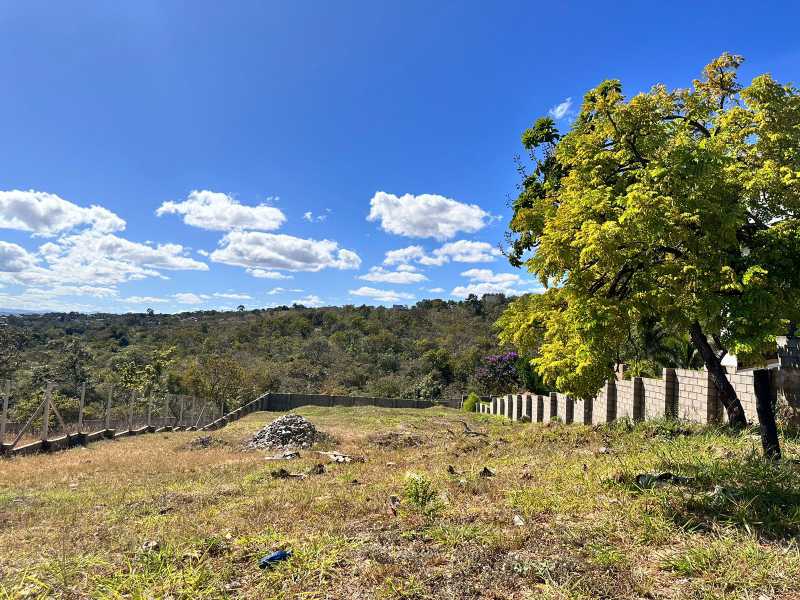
(148, 518)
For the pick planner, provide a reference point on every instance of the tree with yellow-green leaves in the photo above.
(677, 207)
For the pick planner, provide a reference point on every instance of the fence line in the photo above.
(107, 416)
(188, 417)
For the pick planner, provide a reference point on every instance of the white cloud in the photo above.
(426, 215)
(190, 298)
(403, 255)
(465, 251)
(257, 250)
(310, 300)
(309, 216)
(279, 290)
(220, 212)
(485, 281)
(436, 290)
(479, 289)
(262, 274)
(14, 258)
(402, 276)
(559, 111)
(47, 214)
(487, 276)
(231, 296)
(94, 258)
(381, 295)
(145, 300)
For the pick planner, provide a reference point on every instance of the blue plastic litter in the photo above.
(270, 560)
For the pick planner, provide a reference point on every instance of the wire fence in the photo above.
(46, 414)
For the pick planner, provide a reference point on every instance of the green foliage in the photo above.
(426, 351)
(12, 342)
(421, 493)
(670, 208)
(471, 402)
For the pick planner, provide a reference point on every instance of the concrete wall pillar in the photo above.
(516, 408)
(527, 408)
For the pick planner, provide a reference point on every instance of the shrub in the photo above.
(471, 402)
(421, 493)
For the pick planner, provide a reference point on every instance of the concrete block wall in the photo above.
(550, 407)
(566, 408)
(528, 407)
(538, 408)
(742, 382)
(583, 411)
(630, 399)
(604, 409)
(697, 397)
(516, 407)
(658, 395)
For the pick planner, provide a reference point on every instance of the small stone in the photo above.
(518, 521)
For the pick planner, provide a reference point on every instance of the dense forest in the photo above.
(434, 349)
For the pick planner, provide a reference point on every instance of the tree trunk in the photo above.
(766, 415)
(727, 394)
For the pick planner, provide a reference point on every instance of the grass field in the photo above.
(563, 515)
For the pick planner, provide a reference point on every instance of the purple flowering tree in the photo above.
(498, 374)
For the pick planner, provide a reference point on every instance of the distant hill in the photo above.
(17, 311)
(433, 347)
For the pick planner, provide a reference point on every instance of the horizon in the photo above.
(198, 158)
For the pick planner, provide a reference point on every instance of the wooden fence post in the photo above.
(46, 414)
(108, 407)
(80, 407)
(149, 410)
(4, 414)
(180, 413)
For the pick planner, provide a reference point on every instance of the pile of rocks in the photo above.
(288, 431)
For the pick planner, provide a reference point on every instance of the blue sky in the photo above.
(266, 153)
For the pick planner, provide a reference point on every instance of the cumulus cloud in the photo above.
(221, 212)
(279, 290)
(381, 295)
(463, 251)
(426, 215)
(94, 258)
(145, 300)
(310, 300)
(403, 255)
(436, 290)
(190, 298)
(268, 251)
(559, 111)
(401, 275)
(262, 274)
(48, 215)
(232, 296)
(14, 258)
(486, 281)
(488, 276)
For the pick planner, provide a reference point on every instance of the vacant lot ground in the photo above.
(559, 513)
